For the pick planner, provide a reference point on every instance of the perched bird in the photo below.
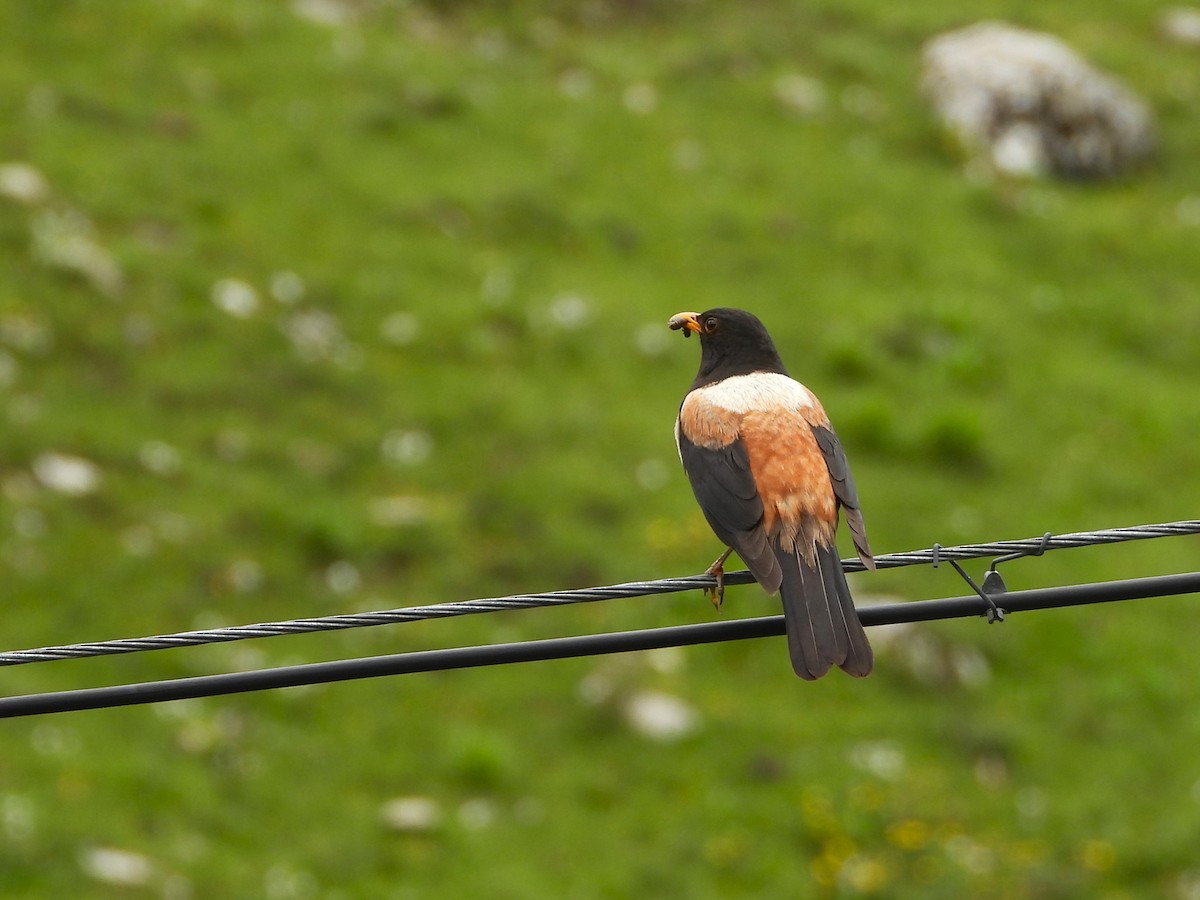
(770, 476)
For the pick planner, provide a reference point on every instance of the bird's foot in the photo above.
(716, 593)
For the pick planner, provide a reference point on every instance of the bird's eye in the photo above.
(710, 324)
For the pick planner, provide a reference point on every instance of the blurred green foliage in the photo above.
(334, 305)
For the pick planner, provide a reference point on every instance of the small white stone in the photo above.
(138, 540)
(477, 813)
(596, 689)
(159, 457)
(883, 759)
(689, 156)
(236, 297)
(970, 667)
(800, 94)
(66, 474)
(315, 335)
(497, 286)
(8, 369)
(641, 98)
(25, 333)
(412, 813)
(114, 866)
(666, 660)
(570, 311)
(1187, 210)
(970, 855)
(343, 577)
(1030, 803)
(29, 523)
(284, 882)
(287, 287)
(651, 339)
(1182, 25)
(231, 444)
(575, 83)
(660, 716)
(652, 474)
(406, 447)
(17, 817)
(22, 182)
(398, 511)
(246, 575)
(329, 13)
(65, 239)
(400, 328)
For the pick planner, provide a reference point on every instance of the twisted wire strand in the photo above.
(1031, 546)
(993, 549)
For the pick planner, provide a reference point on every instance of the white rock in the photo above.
(159, 457)
(1027, 103)
(883, 759)
(1181, 24)
(399, 511)
(801, 94)
(330, 13)
(22, 182)
(576, 83)
(652, 474)
(236, 297)
(65, 239)
(400, 328)
(659, 716)
(115, 866)
(66, 474)
(570, 311)
(315, 335)
(412, 813)
(287, 287)
(641, 98)
(343, 577)
(477, 813)
(406, 447)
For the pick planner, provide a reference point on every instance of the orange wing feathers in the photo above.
(799, 505)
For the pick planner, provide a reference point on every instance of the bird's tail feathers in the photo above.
(823, 629)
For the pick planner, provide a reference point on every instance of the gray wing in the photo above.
(728, 497)
(843, 487)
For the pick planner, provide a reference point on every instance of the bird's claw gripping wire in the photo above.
(990, 585)
(716, 593)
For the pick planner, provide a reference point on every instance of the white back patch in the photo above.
(763, 390)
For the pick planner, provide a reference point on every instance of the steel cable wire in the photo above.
(582, 595)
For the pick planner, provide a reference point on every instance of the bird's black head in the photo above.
(732, 342)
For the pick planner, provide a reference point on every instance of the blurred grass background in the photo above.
(329, 306)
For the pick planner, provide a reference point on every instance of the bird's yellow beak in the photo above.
(687, 321)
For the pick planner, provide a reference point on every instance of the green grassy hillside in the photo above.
(328, 306)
